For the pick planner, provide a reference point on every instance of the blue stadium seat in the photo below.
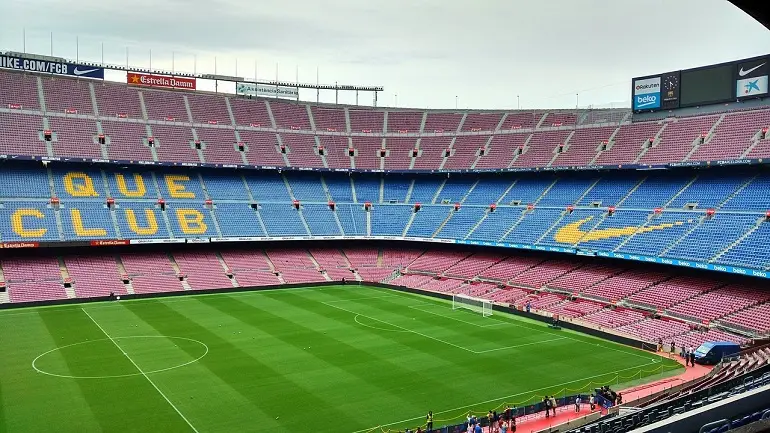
(496, 223)
(281, 219)
(238, 219)
(454, 190)
(78, 184)
(307, 187)
(424, 189)
(86, 220)
(137, 220)
(665, 229)
(533, 225)
(390, 220)
(24, 183)
(609, 191)
(461, 222)
(339, 188)
(37, 222)
(488, 191)
(131, 185)
(712, 236)
(181, 185)
(753, 197)
(367, 189)
(566, 192)
(225, 186)
(621, 220)
(353, 219)
(427, 220)
(656, 191)
(752, 252)
(709, 190)
(320, 219)
(267, 187)
(396, 188)
(567, 231)
(527, 190)
(190, 220)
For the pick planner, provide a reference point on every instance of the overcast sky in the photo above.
(487, 53)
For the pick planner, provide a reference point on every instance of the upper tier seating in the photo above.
(446, 140)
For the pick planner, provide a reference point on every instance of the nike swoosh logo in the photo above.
(743, 73)
(79, 72)
(571, 233)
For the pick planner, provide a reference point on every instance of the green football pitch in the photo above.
(324, 359)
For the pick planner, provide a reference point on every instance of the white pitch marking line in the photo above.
(374, 327)
(521, 345)
(401, 327)
(363, 299)
(141, 371)
(504, 397)
(417, 307)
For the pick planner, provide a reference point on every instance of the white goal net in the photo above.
(474, 304)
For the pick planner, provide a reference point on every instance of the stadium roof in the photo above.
(758, 10)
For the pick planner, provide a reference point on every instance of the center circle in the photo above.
(134, 342)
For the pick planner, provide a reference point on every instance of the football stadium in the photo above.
(180, 259)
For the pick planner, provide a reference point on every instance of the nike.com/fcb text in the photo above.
(49, 67)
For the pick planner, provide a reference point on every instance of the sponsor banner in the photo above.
(156, 241)
(687, 264)
(109, 242)
(51, 67)
(13, 245)
(747, 87)
(647, 93)
(237, 239)
(198, 240)
(751, 77)
(752, 68)
(163, 81)
(251, 89)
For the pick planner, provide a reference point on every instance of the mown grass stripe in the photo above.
(241, 371)
(372, 370)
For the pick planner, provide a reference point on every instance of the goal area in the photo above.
(477, 305)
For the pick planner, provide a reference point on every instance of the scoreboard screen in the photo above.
(708, 85)
(726, 82)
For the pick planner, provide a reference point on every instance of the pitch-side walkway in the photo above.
(538, 422)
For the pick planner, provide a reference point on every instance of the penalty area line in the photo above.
(141, 371)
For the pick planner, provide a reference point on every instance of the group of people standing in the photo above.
(688, 353)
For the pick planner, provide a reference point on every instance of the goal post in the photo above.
(478, 305)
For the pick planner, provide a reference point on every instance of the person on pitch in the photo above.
(429, 422)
